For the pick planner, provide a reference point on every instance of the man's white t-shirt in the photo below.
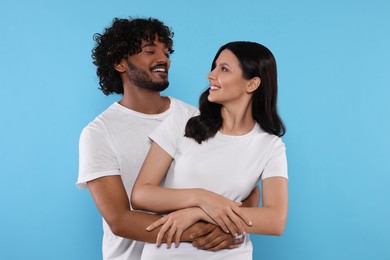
(228, 165)
(116, 143)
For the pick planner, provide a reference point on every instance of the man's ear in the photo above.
(253, 84)
(120, 66)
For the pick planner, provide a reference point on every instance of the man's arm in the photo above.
(112, 202)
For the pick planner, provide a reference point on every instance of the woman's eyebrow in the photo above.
(223, 64)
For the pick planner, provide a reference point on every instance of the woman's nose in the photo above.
(210, 75)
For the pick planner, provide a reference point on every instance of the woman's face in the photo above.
(226, 80)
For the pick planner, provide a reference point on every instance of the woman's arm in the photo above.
(270, 219)
(148, 195)
(174, 224)
(253, 200)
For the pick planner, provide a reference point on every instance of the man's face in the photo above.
(149, 68)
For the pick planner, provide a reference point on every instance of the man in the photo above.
(132, 59)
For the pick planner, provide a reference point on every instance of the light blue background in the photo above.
(333, 60)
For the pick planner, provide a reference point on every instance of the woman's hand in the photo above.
(174, 224)
(226, 213)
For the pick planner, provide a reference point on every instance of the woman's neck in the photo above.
(237, 121)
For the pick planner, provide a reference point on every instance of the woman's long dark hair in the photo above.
(255, 61)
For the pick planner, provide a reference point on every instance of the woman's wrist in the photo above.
(198, 197)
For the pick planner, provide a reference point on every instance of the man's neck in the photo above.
(147, 102)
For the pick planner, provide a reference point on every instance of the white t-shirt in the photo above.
(228, 165)
(116, 143)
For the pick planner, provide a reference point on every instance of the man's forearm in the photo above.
(133, 224)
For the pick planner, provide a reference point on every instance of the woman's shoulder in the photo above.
(266, 137)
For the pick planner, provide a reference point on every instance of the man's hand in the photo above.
(213, 238)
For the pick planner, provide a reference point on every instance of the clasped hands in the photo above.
(212, 208)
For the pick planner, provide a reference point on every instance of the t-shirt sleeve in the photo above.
(277, 162)
(169, 132)
(96, 157)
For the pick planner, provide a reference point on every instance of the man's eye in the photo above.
(224, 69)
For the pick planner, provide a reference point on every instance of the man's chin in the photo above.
(163, 87)
(158, 86)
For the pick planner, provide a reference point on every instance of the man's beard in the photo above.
(142, 79)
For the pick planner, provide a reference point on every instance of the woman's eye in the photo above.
(224, 69)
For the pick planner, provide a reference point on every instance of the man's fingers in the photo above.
(202, 232)
(208, 244)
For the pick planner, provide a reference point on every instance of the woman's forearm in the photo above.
(270, 219)
(147, 193)
(161, 200)
(266, 221)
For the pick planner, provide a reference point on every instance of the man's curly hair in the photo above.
(121, 40)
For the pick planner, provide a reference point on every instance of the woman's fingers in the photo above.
(156, 224)
(162, 232)
(231, 220)
(178, 234)
(242, 215)
(173, 226)
(170, 234)
(221, 223)
(230, 225)
(237, 224)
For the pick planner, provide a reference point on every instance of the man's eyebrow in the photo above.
(148, 45)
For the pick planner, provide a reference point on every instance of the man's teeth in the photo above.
(214, 87)
(159, 70)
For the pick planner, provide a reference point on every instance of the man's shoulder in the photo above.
(99, 123)
(183, 108)
(181, 113)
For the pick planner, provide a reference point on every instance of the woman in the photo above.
(215, 158)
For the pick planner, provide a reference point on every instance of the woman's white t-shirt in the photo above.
(225, 164)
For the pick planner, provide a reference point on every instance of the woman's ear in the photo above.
(254, 84)
(120, 66)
